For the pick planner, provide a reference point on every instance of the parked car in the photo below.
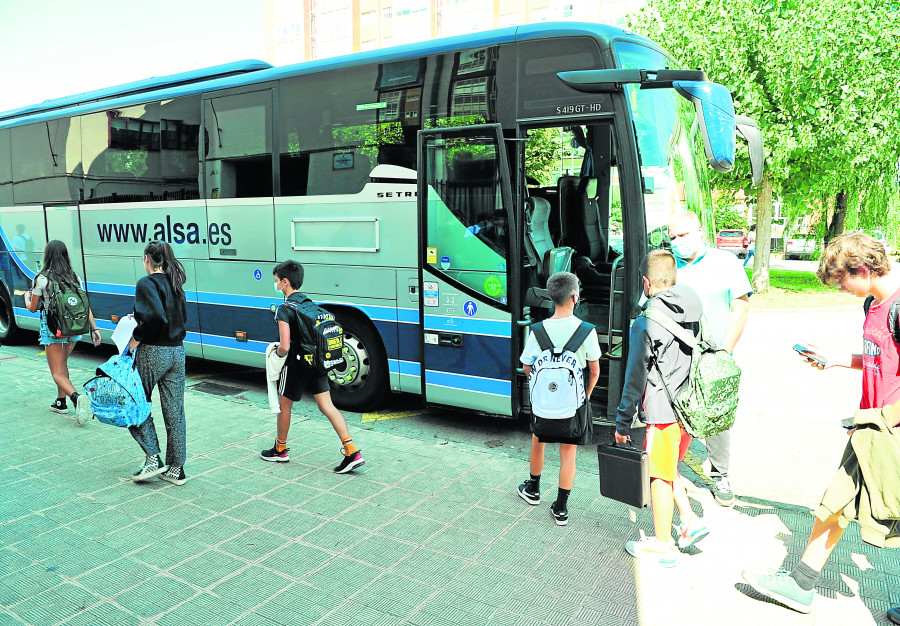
(800, 247)
(734, 240)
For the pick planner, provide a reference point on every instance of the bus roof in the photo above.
(140, 86)
(250, 72)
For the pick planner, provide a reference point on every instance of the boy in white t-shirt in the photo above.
(563, 290)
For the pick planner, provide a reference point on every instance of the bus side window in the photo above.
(121, 154)
(239, 145)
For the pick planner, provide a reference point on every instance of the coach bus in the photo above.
(429, 191)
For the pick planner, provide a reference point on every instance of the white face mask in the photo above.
(686, 246)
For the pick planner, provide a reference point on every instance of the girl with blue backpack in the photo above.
(160, 310)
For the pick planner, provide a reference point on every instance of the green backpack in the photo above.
(67, 310)
(707, 404)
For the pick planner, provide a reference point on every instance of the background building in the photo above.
(302, 30)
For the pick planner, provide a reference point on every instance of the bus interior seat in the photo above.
(553, 219)
(543, 254)
(581, 219)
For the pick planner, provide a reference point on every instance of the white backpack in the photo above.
(559, 405)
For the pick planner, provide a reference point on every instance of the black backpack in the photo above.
(321, 341)
(893, 326)
(67, 310)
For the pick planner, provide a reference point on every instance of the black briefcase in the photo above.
(624, 474)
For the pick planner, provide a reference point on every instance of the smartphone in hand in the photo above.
(809, 353)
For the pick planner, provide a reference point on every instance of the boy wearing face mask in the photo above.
(656, 355)
(297, 377)
(724, 290)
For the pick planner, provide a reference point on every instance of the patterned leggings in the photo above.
(163, 367)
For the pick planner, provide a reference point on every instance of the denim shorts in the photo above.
(47, 337)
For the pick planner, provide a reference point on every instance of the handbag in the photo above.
(624, 474)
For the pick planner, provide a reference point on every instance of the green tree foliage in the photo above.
(728, 214)
(542, 155)
(821, 78)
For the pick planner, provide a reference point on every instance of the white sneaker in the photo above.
(691, 532)
(83, 412)
(654, 551)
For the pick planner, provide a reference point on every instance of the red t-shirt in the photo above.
(881, 359)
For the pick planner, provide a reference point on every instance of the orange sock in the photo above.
(349, 447)
(280, 445)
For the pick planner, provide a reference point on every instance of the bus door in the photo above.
(464, 249)
(575, 214)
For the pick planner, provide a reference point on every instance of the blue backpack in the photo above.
(117, 393)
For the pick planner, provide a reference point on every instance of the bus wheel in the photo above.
(362, 384)
(8, 329)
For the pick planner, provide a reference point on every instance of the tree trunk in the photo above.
(836, 225)
(763, 235)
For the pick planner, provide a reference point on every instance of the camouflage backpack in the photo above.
(706, 405)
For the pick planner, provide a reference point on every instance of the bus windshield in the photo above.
(669, 146)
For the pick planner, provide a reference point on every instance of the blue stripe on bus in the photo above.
(258, 323)
(406, 368)
(128, 290)
(117, 290)
(373, 312)
(220, 341)
(462, 382)
(443, 323)
(408, 316)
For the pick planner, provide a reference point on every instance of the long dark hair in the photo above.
(58, 266)
(161, 255)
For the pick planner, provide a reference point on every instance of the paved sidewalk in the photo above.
(424, 534)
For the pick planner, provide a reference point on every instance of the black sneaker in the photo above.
(722, 492)
(174, 475)
(59, 406)
(529, 492)
(151, 468)
(560, 516)
(274, 455)
(350, 462)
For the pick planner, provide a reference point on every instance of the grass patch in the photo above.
(791, 289)
(793, 281)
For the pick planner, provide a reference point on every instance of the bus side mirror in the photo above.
(748, 130)
(715, 114)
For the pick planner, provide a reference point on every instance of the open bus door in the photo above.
(466, 230)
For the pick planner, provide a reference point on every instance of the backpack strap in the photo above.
(893, 325)
(662, 381)
(673, 327)
(543, 339)
(578, 337)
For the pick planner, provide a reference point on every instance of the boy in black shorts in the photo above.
(297, 377)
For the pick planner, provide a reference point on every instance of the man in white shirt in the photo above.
(724, 290)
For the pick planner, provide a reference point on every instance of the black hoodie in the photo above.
(159, 314)
(643, 391)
